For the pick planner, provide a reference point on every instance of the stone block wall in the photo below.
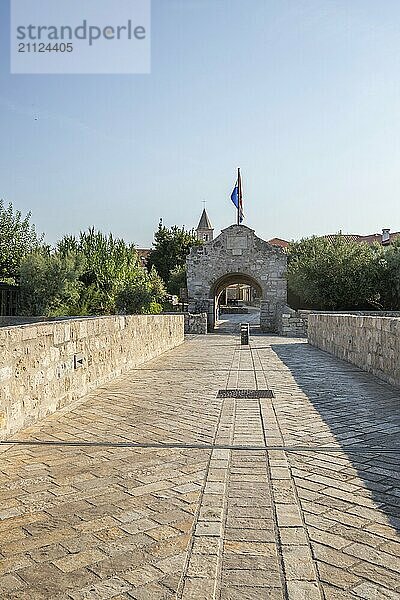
(196, 323)
(46, 366)
(294, 322)
(369, 342)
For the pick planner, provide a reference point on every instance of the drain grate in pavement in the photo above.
(245, 394)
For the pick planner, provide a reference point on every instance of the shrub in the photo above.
(50, 284)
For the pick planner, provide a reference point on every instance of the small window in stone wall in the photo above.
(205, 237)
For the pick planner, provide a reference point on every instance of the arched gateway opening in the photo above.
(237, 257)
(237, 299)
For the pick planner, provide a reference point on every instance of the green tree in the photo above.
(18, 238)
(389, 281)
(110, 264)
(335, 274)
(113, 278)
(170, 249)
(177, 280)
(144, 294)
(50, 283)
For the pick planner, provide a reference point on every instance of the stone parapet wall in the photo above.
(8, 321)
(369, 342)
(46, 366)
(294, 323)
(196, 323)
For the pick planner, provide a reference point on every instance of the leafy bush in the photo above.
(92, 274)
(389, 281)
(145, 294)
(110, 264)
(50, 284)
(336, 274)
(17, 239)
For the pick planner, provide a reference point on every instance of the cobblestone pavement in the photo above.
(319, 520)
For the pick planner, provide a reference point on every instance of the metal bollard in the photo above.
(244, 334)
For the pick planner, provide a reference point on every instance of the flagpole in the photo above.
(238, 206)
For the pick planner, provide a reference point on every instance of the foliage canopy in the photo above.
(170, 249)
(93, 273)
(337, 274)
(18, 238)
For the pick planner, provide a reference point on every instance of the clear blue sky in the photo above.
(304, 95)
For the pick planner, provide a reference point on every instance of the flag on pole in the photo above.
(237, 198)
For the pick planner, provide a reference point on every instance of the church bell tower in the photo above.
(205, 231)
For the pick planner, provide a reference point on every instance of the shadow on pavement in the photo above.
(361, 411)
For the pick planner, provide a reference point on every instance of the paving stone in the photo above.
(210, 514)
(249, 562)
(119, 563)
(303, 590)
(248, 523)
(172, 564)
(169, 547)
(109, 535)
(206, 545)
(288, 515)
(202, 565)
(139, 525)
(98, 524)
(153, 591)
(327, 538)
(250, 535)
(208, 528)
(374, 556)
(298, 563)
(198, 589)
(293, 535)
(101, 590)
(251, 578)
(187, 487)
(333, 556)
(8, 565)
(9, 583)
(142, 575)
(77, 543)
(342, 578)
(391, 548)
(253, 548)
(72, 562)
(47, 579)
(370, 591)
(251, 593)
(376, 574)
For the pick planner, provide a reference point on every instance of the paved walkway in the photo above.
(319, 520)
(230, 322)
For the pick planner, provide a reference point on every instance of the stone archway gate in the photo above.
(237, 255)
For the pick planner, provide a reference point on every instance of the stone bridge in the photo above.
(157, 485)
